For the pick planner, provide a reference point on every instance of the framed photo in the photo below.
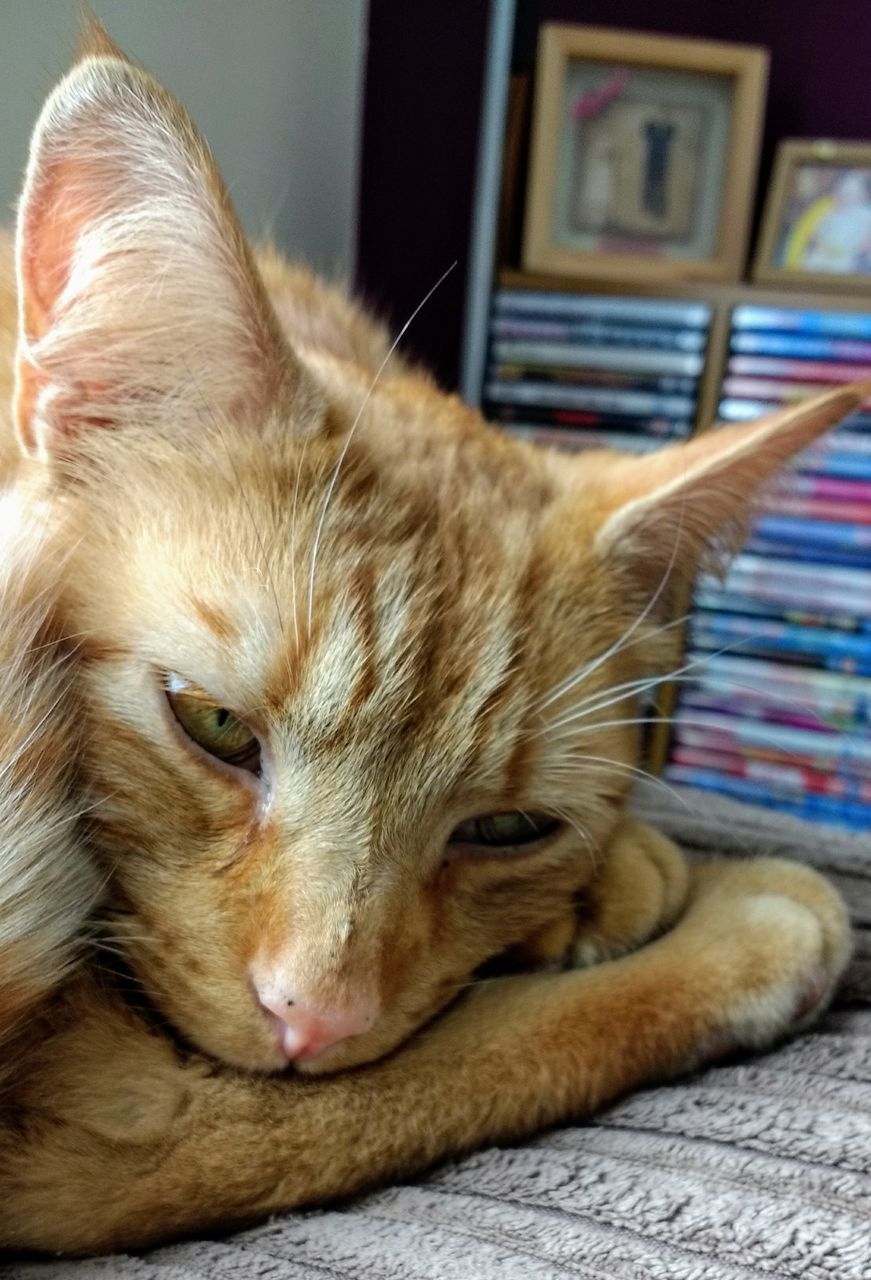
(644, 155)
(817, 224)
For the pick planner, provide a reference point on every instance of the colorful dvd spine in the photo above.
(793, 681)
(780, 503)
(798, 347)
(803, 554)
(603, 333)
(770, 571)
(738, 409)
(524, 302)
(815, 595)
(830, 533)
(700, 739)
(783, 777)
(832, 746)
(574, 440)
(628, 402)
(842, 466)
(763, 390)
(769, 711)
(785, 637)
(841, 324)
(838, 650)
(667, 428)
(573, 355)
(803, 710)
(617, 379)
(824, 371)
(805, 486)
(824, 809)
(781, 606)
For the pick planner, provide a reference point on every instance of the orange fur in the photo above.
(408, 609)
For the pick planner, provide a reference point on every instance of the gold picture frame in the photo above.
(644, 155)
(816, 228)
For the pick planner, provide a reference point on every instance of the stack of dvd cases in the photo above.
(776, 708)
(582, 371)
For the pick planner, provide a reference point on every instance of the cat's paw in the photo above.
(776, 939)
(639, 892)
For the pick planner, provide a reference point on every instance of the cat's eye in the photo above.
(505, 831)
(212, 727)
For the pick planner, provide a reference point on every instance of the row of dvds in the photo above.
(627, 366)
(776, 705)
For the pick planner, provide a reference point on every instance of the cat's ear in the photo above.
(663, 515)
(139, 299)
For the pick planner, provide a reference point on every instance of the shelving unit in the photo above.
(784, 724)
(760, 754)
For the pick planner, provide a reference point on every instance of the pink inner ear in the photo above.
(673, 505)
(139, 298)
(47, 240)
(52, 221)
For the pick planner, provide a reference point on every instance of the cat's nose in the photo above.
(304, 1031)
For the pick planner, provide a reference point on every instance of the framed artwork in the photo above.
(644, 155)
(817, 224)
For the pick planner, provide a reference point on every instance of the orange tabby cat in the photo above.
(333, 691)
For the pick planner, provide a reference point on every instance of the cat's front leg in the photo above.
(637, 892)
(119, 1139)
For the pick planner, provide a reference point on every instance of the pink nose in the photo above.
(303, 1032)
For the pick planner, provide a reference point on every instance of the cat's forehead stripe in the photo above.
(389, 645)
(216, 620)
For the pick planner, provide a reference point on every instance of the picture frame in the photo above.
(816, 227)
(644, 155)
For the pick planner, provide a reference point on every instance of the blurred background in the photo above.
(349, 129)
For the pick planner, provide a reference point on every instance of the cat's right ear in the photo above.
(139, 301)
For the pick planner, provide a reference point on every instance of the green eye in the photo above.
(504, 830)
(213, 727)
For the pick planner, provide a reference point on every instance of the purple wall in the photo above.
(423, 90)
(420, 135)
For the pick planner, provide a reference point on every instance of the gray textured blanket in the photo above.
(755, 1169)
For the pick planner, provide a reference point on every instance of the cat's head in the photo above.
(362, 673)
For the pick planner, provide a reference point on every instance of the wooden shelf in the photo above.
(720, 294)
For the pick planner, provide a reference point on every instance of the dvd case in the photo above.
(774, 701)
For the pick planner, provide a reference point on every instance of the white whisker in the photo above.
(623, 641)
(582, 833)
(344, 450)
(571, 681)
(605, 762)
(293, 512)
(32, 735)
(691, 722)
(584, 709)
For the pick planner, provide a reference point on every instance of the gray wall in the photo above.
(275, 86)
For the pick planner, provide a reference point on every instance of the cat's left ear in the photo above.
(662, 515)
(139, 299)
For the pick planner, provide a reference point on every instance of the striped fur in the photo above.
(47, 882)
